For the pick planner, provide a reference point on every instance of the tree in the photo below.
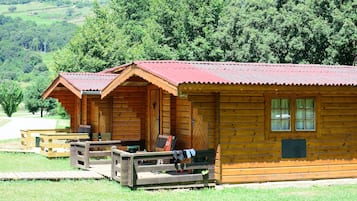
(273, 31)
(33, 99)
(10, 97)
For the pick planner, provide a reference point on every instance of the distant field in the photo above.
(47, 13)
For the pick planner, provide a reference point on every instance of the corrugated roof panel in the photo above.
(178, 72)
(89, 81)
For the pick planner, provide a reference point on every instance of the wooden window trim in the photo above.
(292, 133)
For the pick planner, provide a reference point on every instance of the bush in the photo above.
(10, 97)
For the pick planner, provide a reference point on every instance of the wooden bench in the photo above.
(130, 170)
(58, 144)
(31, 138)
(85, 154)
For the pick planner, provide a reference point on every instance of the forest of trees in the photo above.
(21, 43)
(275, 31)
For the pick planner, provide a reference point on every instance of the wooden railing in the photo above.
(146, 170)
(85, 154)
(31, 138)
(58, 144)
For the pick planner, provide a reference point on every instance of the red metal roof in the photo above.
(88, 81)
(179, 72)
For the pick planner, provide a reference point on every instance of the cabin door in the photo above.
(154, 117)
(199, 131)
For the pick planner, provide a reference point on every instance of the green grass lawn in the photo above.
(109, 190)
(28, 162)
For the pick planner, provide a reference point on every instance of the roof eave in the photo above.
(134, 70)
(61, 80)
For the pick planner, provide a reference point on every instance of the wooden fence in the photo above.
(154, 170)
(85, 154)
(31, 138)
(58, 144)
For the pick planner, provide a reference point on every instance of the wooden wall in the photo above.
(247, 155)
(242, 137)
(338, 129)
(206, 105)
(166, 113)
(183, 123)
(100, 115)
(129, 113)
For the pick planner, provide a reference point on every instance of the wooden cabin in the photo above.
(267, 122)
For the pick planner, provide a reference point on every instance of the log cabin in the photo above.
(267, 122)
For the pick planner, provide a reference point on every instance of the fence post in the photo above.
(73, 155)
(86, 155)
(124, 170)
(114, 160)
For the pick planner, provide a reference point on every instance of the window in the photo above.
(280, 114)
(305, 114)
(300, 111)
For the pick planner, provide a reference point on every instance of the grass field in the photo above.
(110, 190)
(47, 13)
(28, 162)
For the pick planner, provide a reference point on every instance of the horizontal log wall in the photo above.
(247, 155)
(129, 113)
(337, 129)
(242, 130)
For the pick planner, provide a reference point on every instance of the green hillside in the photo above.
(47, 12)
(31, 31)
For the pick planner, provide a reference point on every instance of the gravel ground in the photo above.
(12, 128)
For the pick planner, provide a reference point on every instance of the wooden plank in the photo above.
(288, 163)
(248, 99)
(287, 177)
(245, 105)
(288, 170)
(169, 179)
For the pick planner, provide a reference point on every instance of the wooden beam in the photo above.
(132, 71)
(55, 84)
(275, 89)
(84, 110)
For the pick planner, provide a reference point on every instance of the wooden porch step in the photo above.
(178, 186)
(49, 175)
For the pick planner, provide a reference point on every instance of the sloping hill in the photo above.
(50, 11)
